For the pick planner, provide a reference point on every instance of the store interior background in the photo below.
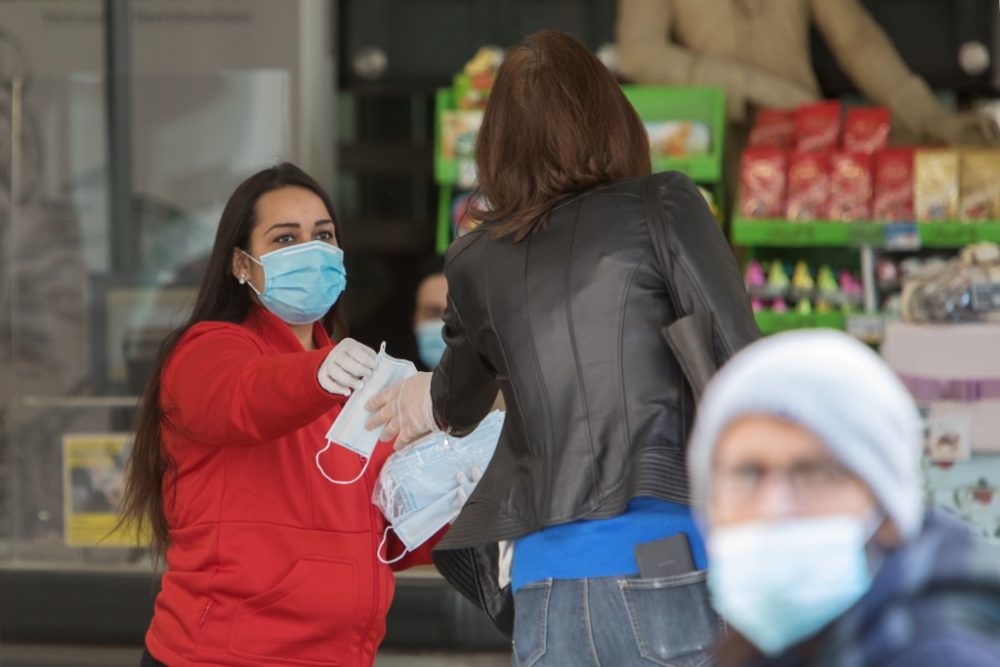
(124, 126)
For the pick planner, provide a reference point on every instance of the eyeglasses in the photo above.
(808, 481)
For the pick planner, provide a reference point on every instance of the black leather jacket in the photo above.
(568, 323)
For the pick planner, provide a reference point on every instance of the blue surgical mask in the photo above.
(779, 583)
(430, 342)
(417, 490)
(302, 282)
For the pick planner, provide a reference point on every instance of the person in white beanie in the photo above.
(805, 472)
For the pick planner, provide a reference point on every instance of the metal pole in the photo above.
(124, 232)
(868, 278)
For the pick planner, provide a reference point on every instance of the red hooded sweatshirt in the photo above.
(268, 563)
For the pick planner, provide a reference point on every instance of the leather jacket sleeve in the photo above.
(702, 274)
(463, 387)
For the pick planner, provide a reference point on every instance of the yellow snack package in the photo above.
(935, 186)
(980, 193)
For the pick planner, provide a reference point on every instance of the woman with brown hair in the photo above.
(559, 298)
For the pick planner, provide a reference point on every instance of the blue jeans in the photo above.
(615, 622)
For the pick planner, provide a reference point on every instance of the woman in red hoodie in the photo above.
(267, 561)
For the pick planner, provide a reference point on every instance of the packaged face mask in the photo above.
(418, 488)
(348, 430)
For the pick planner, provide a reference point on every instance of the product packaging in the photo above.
(936, 188)
(893, 185)
(773, 128)
(808, 185)
(866, 129)
(850, 186)
(762, 183)
(980, 192)
(678, 138)
(817, 126)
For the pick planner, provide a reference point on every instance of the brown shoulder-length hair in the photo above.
(222, 299)
(557, 123)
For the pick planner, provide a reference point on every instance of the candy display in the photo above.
(778, 285)
(817, 126)
(893, 179)
(762, 181)
(808, 185)
(773, 128)
(866, 130)
(473, 84)
(936, 186)
(979, 198)
(850, 186)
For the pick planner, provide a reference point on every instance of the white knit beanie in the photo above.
(837, 388)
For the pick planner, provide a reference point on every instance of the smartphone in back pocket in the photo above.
(668, 557)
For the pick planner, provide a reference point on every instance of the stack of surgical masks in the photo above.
(418, 490)
(348, 430)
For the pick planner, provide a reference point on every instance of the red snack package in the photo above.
(850, 186)
(808, 185)
(866, 129)
(762, 181)
(773, 128)
(893, 185)
(817, 126)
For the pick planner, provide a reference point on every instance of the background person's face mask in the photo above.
(780, 582)
(418, 488)
(302, 282)
(348, 429)
(430, 342)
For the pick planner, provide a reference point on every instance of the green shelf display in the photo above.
(772, 323)
(784, 233)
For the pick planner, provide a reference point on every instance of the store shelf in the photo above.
(784, 233)
(772, 323)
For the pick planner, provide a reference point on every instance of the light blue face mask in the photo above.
(430, 342)
(302, 282)
(418, 491)
(781, 582)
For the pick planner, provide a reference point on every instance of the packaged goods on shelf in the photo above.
(678, 138)
(762, 181)
(473, 84)
(808, 185)
(965, 289)
(936, 184)
(817, 126)
(866, 129)
(980, 185)
(893, 198)
(773, 128)
(850, 186)
(459, 129)
(779, 286)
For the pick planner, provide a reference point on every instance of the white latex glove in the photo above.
(346, 367)
(467, 484)
(403, 410)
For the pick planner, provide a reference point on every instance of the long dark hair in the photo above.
(220, 298)
(556, 123)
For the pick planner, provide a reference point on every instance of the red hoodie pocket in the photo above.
(306, 619)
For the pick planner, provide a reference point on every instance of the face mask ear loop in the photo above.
(378, 553)
(336, 481)
(258, 263)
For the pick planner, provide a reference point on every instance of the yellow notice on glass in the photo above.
(93, 470)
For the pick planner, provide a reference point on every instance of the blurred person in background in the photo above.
(805, 468)
(428, 314)
(560, 298)
(759, 52)
(267, 562)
